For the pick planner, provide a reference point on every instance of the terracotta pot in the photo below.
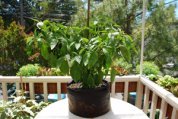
(89, 103)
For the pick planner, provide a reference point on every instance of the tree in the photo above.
(25, 11)
(161, 39)
(12, 48)
(160, 27)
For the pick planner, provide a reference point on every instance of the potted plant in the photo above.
(88, 55)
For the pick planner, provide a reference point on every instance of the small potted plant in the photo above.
(88, 55)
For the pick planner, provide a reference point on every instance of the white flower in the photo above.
(39, 25)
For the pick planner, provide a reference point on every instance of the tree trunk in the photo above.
(21, 13)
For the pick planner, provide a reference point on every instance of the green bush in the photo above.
(12, 48)
(37, 70)
(123, 67)
(153, 77)
(20, 108)
(168, 82)
(148, 68)
(28, 70)
(43, 71)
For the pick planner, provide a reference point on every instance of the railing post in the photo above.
(153, 106)
(31, 84)
(59, 90)
(139, 94)
(174, 114)
(146, 99)
(163, 109)
(4, 91)
(126, 86)
(113, 88)
(17, 88)
(45, 91)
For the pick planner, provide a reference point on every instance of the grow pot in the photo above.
(90, 102)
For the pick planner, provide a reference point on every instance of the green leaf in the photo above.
(63, 65)
(86, 58)
(84, 40)
(77, 45)
(78, 59)
(52, 60)
(105, 51)
(75, 71)
(125, 53)
(113, 74)
(93, 59)
(53, 43)
(44, 51)
(108, 59)
(81, 51)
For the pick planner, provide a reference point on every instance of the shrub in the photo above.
(153, 77)
(43, 71)
(28, 70)
(12, 48)
(20, 108)
(123, 67)
(37, 70)
(168, 82)
(148, 68)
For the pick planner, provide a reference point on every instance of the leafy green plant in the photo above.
(87, 54)
(123, 67)
(153, 77)
(28, 70)
(37, 70)
(148, 68)
(168, 82)
(12, 48)
(43, 71)
(20, 108)
(174, 90)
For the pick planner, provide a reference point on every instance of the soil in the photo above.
(79, 85)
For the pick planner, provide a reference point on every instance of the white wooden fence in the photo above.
(149, 97)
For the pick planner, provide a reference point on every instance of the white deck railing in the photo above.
(148, 93)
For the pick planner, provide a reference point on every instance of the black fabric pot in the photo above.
(89, 103)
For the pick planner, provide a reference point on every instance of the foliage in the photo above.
(37, 70)
(43, 71)
(12, 48)
(123, 67)
(160, 29)
(168, 82)
(21, 108)
(123, 12)
(87, 54)
(160, 35)
(28, 10)
(28, 70)
(148, 68)
(153, 77)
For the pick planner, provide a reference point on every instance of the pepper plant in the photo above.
(87, 54)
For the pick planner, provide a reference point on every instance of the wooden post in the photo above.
(139, 94)
(153, 106)
(146, 99)
(45, 91)
(21, 13)
(163, 109)
(88, 14)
